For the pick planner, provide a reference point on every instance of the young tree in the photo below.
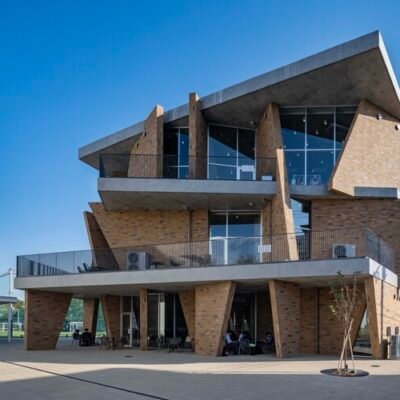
(346, 301)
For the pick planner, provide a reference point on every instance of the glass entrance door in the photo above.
(235, 237)
(127, 328)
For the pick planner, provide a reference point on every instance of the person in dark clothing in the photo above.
(86, 338)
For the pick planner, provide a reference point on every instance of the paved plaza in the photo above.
(90, 373)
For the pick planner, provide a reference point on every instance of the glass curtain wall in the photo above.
(313, 138)
(234, 237)
(176, 153)
(231, 153)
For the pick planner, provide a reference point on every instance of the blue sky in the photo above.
(74, 71)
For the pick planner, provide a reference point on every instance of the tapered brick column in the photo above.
(44, 317)
(112, 315)
(383, 307)
(188, 303)
(143, 318)
(90, 314)
(285, 303)
(212, 311)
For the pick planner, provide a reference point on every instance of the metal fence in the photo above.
(186, 167)
(341, 243)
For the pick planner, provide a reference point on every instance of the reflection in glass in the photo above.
(176, 153)
(231, 153)
(235, 237)
(320, 128)
(319, 167)
(295, 161)
(293, 128)
(313, 138)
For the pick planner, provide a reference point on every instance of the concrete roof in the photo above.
(342, 75)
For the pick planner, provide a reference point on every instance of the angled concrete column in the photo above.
(44, 317)
(285, 303)
(112, 315)
(383, 307)
(188, 303)
(90, 314)
(143, 318)
(197, 139)
(212, 311)
(147, 153)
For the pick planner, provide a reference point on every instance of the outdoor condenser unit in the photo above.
(138, 260)
(343, 250)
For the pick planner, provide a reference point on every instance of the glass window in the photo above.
(320, 128)
(324, 132)
(293, 128)
(344, 118)
(319, 167)
(243, 224)
(176, 153)
(231, 153)
(217, 224)
(295, 161)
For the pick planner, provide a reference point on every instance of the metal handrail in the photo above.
(310, 245)
(186, 167)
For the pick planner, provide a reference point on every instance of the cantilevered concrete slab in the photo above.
(342, 75)
(128, 193)
(306, 273)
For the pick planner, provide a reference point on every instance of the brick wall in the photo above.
(264, 315)
(382, 216)
(371, 153)
(90, 314)
(213, 307)
(143, 326)
(146, 159)
(188, 303)
(285, 304)
(44, 316)
(102, 255)
(383, 305)
(197, 139)
(308, 321)
(111, 306)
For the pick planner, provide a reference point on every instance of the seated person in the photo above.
(244, 335)
(231, 345)
(86, 338)
(76, 335)
(269, 343)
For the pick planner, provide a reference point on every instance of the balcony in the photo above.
(162, 181)
(339, 245)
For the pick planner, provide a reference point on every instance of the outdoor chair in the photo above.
(187, 344)
(173, 344)
(104, 342)
(244, 346)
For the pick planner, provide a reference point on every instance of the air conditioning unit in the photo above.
(138, 261)
(343, 250)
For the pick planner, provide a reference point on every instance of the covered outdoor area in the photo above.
(90, 373)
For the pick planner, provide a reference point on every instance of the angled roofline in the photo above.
(319, 60)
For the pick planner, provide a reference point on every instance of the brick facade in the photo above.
(44, 317)
(213, 307)
(188, 303)
(382, 216)
(146, 155)
(383, 303)
(143, 326)
(285, 304)
(197, 139)
(112, 315)
(371, 153)
(90, 314)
